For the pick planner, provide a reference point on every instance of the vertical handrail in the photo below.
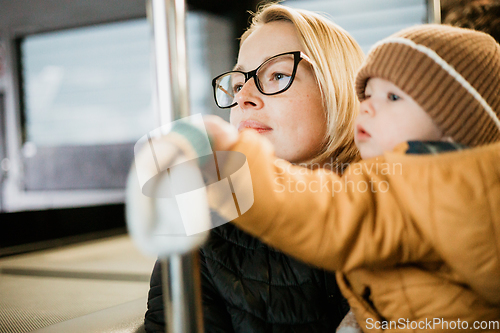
(170, 54)
(176, 27)
(180, 273)
(434, 11)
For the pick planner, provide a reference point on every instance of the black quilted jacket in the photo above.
(249, 287)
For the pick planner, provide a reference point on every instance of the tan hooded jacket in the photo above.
(415, 239)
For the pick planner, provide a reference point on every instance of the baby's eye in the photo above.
(393, 97)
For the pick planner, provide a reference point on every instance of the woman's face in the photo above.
(294, 121)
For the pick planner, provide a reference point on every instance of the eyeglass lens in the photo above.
(273, 76)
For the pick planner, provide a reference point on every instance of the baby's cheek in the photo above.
(394, 140)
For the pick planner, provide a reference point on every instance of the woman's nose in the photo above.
(249, 97)
(366, 107)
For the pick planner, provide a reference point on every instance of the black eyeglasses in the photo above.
(272, 77)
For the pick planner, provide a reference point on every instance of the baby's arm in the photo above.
(427, 208)
(317, 216)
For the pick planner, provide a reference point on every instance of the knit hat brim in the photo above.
(466, 112)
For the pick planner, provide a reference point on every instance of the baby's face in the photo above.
(387, 117)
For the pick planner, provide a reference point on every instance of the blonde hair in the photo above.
(336, 57)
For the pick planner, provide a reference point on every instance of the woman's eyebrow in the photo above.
(240, 68)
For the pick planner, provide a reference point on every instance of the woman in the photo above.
(302, 99)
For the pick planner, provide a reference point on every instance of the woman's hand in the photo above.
(222, 134)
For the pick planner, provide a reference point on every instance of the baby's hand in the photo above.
(222, 134)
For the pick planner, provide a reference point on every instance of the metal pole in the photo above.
(180, 273)
(182, 293)
(434, 11)
(176, 27)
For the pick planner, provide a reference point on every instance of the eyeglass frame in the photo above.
(297, 57)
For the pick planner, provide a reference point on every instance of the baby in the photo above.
(420, 248)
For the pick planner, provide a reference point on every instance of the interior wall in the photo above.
(30, 16)
(19, 18)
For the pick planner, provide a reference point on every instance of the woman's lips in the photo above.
(254, 124)
(361, 134)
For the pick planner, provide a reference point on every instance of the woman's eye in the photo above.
(280, 76)
(237, 88)
(393, 97)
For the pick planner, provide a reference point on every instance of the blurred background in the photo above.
(75, 96)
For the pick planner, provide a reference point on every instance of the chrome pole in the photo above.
(176, 27)
(434, 11)
(180, 273)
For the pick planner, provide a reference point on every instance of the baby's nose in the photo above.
(366, 107)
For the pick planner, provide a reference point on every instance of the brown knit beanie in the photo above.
(452, 73)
